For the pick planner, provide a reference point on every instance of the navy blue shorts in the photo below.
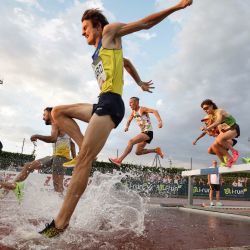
(110, 104)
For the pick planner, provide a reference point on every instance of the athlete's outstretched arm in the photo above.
(151, 20)
(198, 138)
(47, 138)
(156, 114)
(128, 122)
(145, 86)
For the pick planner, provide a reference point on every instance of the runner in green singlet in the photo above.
(229, 130)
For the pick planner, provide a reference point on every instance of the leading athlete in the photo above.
(109, 111)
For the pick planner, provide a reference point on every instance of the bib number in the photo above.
(99, 71)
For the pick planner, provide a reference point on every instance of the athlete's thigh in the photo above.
(141, 145)
(96, 134)
(230, 134)
(140, 138)
(80, 111)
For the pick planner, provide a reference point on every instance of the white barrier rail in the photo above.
(220, 170)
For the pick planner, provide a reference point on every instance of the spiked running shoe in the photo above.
(51, 231)
(70, 164)
(235, 155)
(115, 161)
(230, 162)
(19, 191)
(159, 152)
(246, 159)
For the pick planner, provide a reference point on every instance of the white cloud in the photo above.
(211, 62)
(46, 62)
(145, 35)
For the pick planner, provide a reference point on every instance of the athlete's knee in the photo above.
(210, 150)
(131, 143)
(138, 152)
(87, 154)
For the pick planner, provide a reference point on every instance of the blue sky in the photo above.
(201, 52)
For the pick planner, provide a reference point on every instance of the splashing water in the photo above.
(107, 210)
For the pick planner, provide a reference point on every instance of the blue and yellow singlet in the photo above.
(108, 69)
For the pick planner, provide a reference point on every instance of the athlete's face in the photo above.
(91, 34)
(133, 104)
(208, 108)
(46, 117)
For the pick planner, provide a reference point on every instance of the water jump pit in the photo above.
(110, 216)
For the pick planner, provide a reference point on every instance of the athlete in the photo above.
(70, 111)
(208, 120)
(62, 146)
(141, 114)
(109, 111)
(229, 130)
(213, 132)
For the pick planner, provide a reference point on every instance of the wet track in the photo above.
(165, 228)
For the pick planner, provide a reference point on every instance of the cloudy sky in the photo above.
(200, 52)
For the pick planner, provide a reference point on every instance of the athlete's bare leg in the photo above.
(96, 135)
(223, 139)
(220, 151)
(141, 150)
(137, 139)
(58, 182)
(27, 169)
(63, 116)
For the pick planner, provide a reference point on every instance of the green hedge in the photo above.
(8, 159)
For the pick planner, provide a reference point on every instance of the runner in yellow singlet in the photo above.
(141, 115)
(229, 130)
(62, 148)
(109, 111)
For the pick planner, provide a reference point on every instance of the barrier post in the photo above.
(190, 191)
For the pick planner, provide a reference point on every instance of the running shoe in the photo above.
(51, 231)
(211, 204)
(246, 159)
(230, 162)
(19, 191)
(115, 161)
(70, 164)
(222, 164)
(159, 152)
(219, 204)
(235, 155)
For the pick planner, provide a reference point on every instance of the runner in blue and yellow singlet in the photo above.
(141, 115)
(108, 112)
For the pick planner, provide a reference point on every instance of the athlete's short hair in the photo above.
(135, 98)
(49, 109)
(96, 17)
(209, 102)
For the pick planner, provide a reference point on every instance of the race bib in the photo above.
(99, 71)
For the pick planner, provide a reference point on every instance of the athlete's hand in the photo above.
(126, 129)
(160, 124)
(33, 138)
(147, 86)
(204, 129)
(194, 142)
